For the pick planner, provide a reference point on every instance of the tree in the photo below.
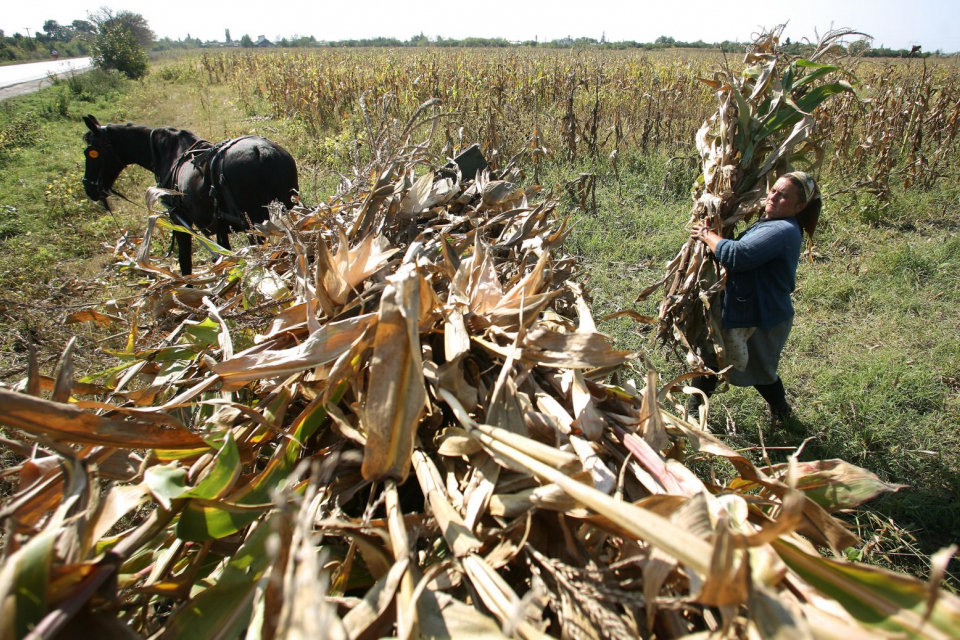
(859, 47)
(245, 41)
(83, 26)
(134, 22)
(116, 47)
(55, 31)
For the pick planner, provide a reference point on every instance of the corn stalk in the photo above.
(763, 126)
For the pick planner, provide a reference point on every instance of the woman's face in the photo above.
(785, 200)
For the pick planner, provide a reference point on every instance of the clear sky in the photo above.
(933, 24)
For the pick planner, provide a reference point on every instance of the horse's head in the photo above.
(103, 163)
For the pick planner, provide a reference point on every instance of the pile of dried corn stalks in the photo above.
(763, 125)
(392, 419)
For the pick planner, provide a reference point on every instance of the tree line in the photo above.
(120, 40)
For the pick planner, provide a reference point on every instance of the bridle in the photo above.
(103, 146)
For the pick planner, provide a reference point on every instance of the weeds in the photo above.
(21, 131)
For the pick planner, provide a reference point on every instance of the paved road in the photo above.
(16, 73)
(17, 79)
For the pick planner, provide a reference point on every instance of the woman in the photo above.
(762, 269)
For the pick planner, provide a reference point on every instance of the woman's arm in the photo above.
(758, 248)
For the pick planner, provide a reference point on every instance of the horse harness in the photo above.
(208, 160)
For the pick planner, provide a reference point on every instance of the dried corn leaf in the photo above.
(396, 393)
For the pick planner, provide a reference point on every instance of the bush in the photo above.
(117, 48)
(85, 87)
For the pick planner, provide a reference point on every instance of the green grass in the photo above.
(872, 366)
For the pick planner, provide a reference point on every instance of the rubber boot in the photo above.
(776, 397)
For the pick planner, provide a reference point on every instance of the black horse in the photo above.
(225, 187)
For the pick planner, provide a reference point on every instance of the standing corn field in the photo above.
(591, 103)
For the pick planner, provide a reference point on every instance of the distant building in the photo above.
(263, 42)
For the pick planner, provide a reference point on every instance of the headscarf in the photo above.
(810, 215)
(810, 189)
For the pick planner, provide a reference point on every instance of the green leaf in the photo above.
(170, 455)
(817, 95)
(163, 354)
(225, 471)
(819, 70)
(803, 62)
(169, 354)
(224, 609)
(835, 484)
(816, 75)
(203, 333)
(210, 244)
(787, 116)
(166, 483)
(107, 374)
(202, 522)
(877, 597)
(32, 570)
(787, 80)
(171, 371)
(169, 482)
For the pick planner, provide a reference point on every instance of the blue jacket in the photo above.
(762, 265)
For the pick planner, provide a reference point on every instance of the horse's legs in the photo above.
(223, 234)
(185, 252)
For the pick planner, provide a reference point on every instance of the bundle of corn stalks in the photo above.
(764, 124)
(393, 418)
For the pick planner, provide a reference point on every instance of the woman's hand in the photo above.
(705, 235)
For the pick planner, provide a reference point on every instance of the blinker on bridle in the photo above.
(94, 154)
